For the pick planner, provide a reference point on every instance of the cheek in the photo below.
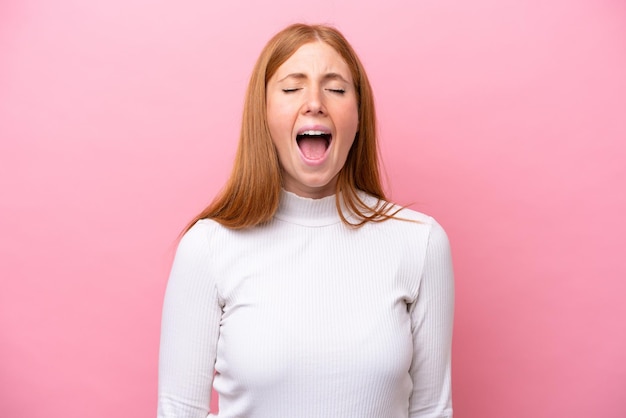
(278, 120)
(350, 113)
(351, 128)
(273, 122)
(350, 121)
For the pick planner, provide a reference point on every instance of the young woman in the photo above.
(300, 291)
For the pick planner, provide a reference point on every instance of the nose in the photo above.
(314, 102)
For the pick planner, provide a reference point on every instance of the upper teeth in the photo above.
(317, 133)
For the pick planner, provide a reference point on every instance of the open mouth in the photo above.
(313, 143)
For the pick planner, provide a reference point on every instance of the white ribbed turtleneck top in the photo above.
(307, 317)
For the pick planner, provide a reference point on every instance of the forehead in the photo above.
(315, 59)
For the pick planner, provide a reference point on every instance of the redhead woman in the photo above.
(301, 291)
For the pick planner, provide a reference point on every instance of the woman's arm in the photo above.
(432, 317)
(189, 330)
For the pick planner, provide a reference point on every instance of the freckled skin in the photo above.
(313, 87)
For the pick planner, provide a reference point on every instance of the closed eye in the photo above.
(290, 90)
(338, 91)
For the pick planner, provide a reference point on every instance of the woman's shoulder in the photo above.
(200, 234)
(419, 218)
(403, 212)
(408, 219)
(399, 212)
(434, 235)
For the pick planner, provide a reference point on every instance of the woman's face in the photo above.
(312, 114)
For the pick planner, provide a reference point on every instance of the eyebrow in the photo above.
(328, 76)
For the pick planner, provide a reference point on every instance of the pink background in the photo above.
(506, 120)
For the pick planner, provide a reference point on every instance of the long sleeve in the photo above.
(189, 330)
(432, 320)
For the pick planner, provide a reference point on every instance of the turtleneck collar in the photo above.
(306, 211)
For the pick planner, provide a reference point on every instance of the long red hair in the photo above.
(251, 194)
